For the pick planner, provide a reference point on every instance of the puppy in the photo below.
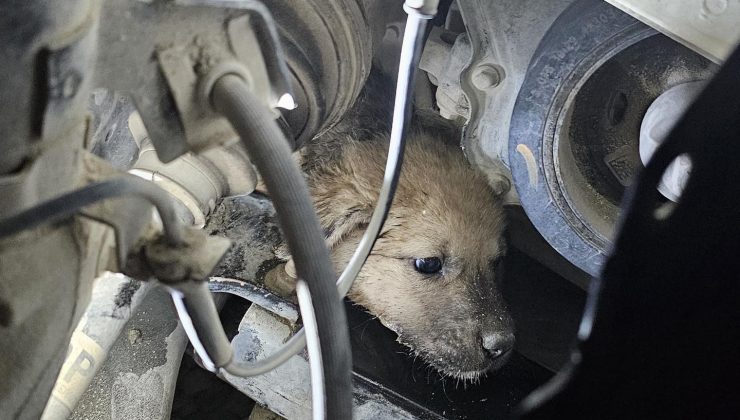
(432, 275)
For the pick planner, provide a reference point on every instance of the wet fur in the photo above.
(442, 208)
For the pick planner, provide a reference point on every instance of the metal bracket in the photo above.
(173, 266)
(171, 45)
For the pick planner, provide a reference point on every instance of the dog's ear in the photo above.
(496, 175)
(499, 183)
(336, 230)
(342, 225)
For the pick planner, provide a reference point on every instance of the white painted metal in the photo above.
(709, 27)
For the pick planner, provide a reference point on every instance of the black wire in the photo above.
(69, 204)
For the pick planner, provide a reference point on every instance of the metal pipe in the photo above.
(69, 204)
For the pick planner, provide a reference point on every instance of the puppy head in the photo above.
(432, 274)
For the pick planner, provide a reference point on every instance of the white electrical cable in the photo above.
(415, 24)
(315, 363)
(187, 325)
(413, 33)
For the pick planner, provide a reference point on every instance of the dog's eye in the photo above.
(429, 265)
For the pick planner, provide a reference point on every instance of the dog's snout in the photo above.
(497, 344)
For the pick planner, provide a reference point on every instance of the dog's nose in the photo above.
(497, 344)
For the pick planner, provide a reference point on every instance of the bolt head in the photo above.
(487, 76)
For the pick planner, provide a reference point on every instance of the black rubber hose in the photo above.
(198, 305)
(269, 151)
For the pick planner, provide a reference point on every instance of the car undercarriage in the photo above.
(148, 188)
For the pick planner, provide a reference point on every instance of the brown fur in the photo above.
(442, 208)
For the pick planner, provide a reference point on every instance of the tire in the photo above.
(582, 35)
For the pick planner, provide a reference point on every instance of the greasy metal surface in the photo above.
(250, 223)
(137, 381)
(114, 299)
(709, 27)
(255, 294)
(659, 337)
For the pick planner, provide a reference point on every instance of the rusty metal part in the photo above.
(709, 27)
